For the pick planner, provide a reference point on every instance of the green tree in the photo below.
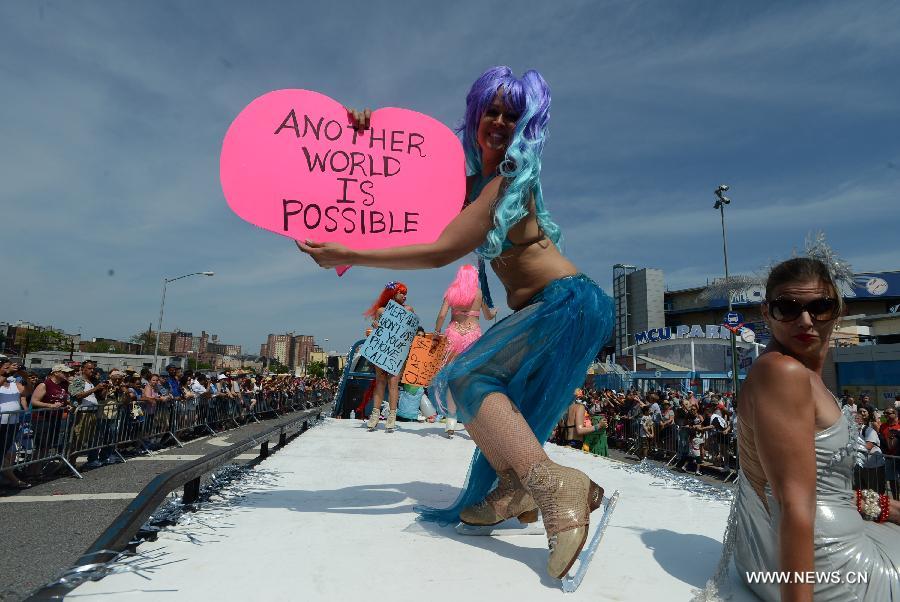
(316, 369)
(147, 339)
(277, 367)
(43, 340)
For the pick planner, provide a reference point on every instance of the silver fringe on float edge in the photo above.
(225, 489)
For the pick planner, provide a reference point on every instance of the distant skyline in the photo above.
(115, 113)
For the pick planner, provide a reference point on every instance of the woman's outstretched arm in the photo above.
(461, 236)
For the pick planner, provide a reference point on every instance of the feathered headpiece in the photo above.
(840, 270)
(816, 247)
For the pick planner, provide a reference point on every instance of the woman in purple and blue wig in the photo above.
(514, 383)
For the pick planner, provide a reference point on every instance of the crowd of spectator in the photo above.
(694, 432)
(880, 432)
(665, 424)
(75, 410)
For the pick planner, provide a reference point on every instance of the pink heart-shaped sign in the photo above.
(292, 163)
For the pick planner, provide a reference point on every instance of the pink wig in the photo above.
(462, 291)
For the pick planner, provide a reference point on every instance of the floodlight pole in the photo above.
(721, 201)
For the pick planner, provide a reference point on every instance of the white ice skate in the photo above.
(511, 526)
(573, 579)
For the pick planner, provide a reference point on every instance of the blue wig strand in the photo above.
(521, 167)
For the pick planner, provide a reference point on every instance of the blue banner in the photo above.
(872, 285)
(388, 345)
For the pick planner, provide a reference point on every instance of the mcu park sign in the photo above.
(711, 331)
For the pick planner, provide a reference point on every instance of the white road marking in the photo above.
(219, 441)
(67, 497)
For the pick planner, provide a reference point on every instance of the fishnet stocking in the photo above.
(503, 436)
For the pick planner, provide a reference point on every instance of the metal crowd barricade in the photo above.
(665, 444)
(617, 434)
(45, 435)
(719, 452)
(185, 418)
(880, 473)
(96, 432)
(264, 404)
(35, 436)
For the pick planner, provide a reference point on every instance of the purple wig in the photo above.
(529, 96)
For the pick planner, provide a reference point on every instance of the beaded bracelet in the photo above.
(873, 506)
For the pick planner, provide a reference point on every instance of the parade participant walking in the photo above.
(393, 291)
(511, 386)
(795, 510)
(465, 303)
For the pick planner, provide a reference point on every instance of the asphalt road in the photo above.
(46, 528)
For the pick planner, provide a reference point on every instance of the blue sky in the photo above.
(113, 115)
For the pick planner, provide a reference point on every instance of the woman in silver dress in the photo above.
(796, 511)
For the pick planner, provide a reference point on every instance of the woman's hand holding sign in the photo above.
(360, 120)
(327, 254)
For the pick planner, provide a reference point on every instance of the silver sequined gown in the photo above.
(844, 542)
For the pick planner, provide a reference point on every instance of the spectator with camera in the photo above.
(83, 391)
(112, 412)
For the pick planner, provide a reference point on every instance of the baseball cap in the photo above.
(61, 368)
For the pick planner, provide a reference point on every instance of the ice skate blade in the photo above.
(573, 579)
(509, 527)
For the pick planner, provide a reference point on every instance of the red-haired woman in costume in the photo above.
(393, 291)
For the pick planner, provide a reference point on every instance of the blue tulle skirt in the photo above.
(537, 356)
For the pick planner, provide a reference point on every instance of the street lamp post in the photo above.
(162, 305)
(721, 201)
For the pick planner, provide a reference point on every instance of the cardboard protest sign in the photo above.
(388, 345)
(426, 357)
(292, 163)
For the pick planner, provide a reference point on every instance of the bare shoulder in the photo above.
(778, 367)
(779, 383)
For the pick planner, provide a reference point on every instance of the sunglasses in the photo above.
(493, 112)
(785, 309)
